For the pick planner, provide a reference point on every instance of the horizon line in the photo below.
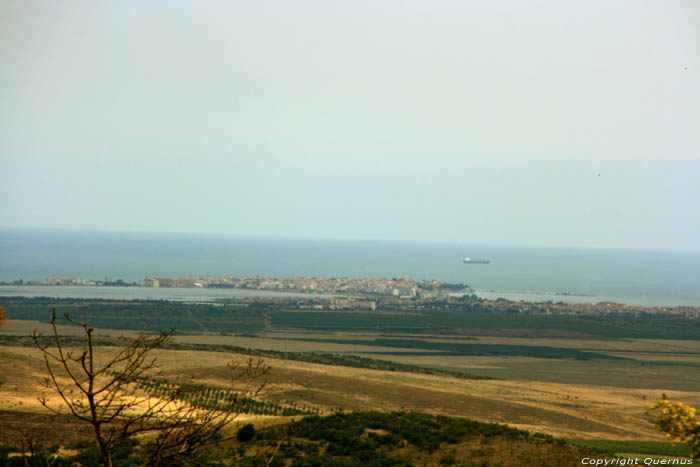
(342, 239)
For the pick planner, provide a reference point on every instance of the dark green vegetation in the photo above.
(453, 287)
(465, 318)
(41, 455)
(351, 439)
(245, 433)
(403, 438)
(661, 448)
(457, 348)
(612, 325)
(142, 315)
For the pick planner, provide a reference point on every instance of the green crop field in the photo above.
(141, 315)
(457, 348)
(661, 448)
(612, 325)
(241, 318)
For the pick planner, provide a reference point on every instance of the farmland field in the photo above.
(598, 388)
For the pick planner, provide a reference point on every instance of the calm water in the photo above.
(638, 277)
(140, 293)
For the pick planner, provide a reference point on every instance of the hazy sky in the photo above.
(523, 122)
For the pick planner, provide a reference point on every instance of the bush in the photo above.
(246, 433)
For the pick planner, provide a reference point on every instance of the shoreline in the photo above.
(212, 295)
(529, 292)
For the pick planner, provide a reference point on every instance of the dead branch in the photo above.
(105, 394)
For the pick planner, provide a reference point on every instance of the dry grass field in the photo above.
(593, 399)
(656, 364)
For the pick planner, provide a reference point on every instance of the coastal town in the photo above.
(462, 303)
(392, 294)
(404, 287)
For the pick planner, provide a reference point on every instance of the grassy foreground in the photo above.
(406, 438)
(357, 439)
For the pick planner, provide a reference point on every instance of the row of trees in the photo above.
(220, 398)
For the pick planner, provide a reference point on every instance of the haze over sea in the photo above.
(516, 272)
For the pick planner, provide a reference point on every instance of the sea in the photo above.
(649, 278)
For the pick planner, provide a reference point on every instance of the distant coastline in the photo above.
(564, 294)
(531, 273)
(403, 287)
(341, 300)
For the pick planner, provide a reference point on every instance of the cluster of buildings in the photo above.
(399, 288)
(465, 303)
(370, 294)
(395, 287)
(60, 281)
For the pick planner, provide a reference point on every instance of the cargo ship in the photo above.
(468, 260)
